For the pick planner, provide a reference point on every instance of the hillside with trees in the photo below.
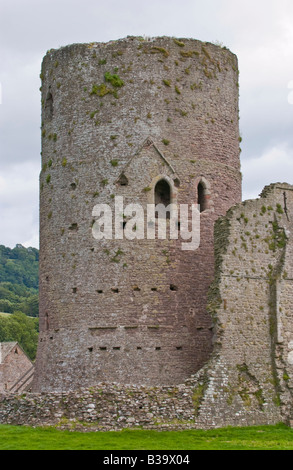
(19, 301)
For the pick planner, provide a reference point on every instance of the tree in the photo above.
(19, 269)
(18, 327)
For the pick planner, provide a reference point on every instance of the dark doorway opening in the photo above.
(163, 193)
(163, 196)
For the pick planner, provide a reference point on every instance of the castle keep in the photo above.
(140, 332)
(152, 121)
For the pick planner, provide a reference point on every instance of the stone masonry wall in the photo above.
(248, 380)
(250, 374)
(130, 311)
(104, 407)
(115, 407)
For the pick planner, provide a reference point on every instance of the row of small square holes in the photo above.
(179, 348)
(135, 289)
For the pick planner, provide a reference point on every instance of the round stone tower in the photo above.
(134, 121)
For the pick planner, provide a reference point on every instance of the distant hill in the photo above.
(20, 266)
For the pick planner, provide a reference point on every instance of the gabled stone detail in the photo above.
(149, 146)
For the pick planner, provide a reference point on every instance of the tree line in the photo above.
(19, 285)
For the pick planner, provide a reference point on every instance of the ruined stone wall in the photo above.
(118, 310)
(104, 407)
(250, 374)
(115, 407)
(248, 379)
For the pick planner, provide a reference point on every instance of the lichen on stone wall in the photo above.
(250, 303)
(145, 334)
(129, 113)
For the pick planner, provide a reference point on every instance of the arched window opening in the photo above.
(163, 195)
(201, 197)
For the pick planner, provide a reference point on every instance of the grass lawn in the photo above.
(277, 437)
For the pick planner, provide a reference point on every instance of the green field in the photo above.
(277, 437)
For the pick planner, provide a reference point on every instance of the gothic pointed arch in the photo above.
(153, 151)
(162, 191)
(122, 180)
(203, 195)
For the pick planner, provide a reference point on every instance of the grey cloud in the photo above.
(258, 32)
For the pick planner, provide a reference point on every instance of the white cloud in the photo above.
(259, 32)
(275, 165)
(19, 205)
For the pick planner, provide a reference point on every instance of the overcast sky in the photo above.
(260, 32)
